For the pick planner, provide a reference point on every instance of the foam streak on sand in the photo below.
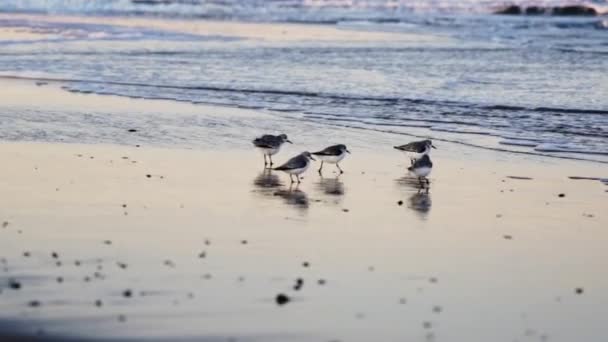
(109, 241)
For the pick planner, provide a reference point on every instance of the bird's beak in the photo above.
(347, 151)
(433, 146)
(289, 141)
(313, 158)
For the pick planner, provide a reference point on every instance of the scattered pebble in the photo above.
(561, 195)
(282, 299)
(400, 202)
(149, 175)
(402, 301)
(305, 264)
(132, 130)
(34, 304)
(26, 254)
(4, 224)
(54, 255)
(124, 205)
(207, 242)
(579, 290)
(122, 318)
(437, 309)
(169, 263)
(508, 237)
(202, 255)
(498, 215)
(299, 284)
(427, 325)
(243, 242)
(321, 282)
(433, 280)
(345, 210)
(60, 280)
(98, 303)
(14, 284)
(107, 242)
(127, 293)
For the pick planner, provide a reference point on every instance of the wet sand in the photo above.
(118, 242)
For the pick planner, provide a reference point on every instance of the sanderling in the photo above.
(333, 155)
(422, 168)
(270, 145)
(296, 165)
(415, 150)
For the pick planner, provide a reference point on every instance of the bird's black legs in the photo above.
(321, 168)
(412, 161)
(427, 181)
(298, 177)
(291, 178)
(338, 166)
(270, 157)
(265, 163)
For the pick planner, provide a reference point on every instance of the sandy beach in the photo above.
(116, 241)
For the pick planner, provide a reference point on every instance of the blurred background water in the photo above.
(536, 84)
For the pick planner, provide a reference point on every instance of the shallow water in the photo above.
(532, 84)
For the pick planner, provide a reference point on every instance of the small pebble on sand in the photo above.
(4, 224)
(345, 210)
(55, 255)
(305, 264)
(561, 195)
(107, 242)
(507, 237)
(98, 303)
(321, 282)
(579, 290)
(34, 304)
(282, 299)
(14, 284)
(400, 202)
(127, 293)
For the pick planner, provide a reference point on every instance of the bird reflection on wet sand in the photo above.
(331, 186)
(420, 198)
(294, 196)
(268, 184)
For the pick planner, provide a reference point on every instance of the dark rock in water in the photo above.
(574, 10)
(510, 10)
(14, 284)
(34, 304)
(282, 299)
(535, 10)
(579, 290)
(569, 10)
(561, 195)
(127, 293)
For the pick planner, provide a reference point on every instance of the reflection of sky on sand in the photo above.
(419, 198)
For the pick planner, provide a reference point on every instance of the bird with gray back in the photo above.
(416, 149)
(270, 145)
(421, 168)
(333, 155)
(296, 165)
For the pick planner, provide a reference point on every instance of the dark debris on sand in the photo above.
(299, 284)
(4, 224)
(579, 290)
(561, 195)
(282, 299)
(14, 284)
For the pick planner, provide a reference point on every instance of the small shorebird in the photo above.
(333, 155)
(417, 149)
(296, 165)
(270, 145)
(422, 168)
